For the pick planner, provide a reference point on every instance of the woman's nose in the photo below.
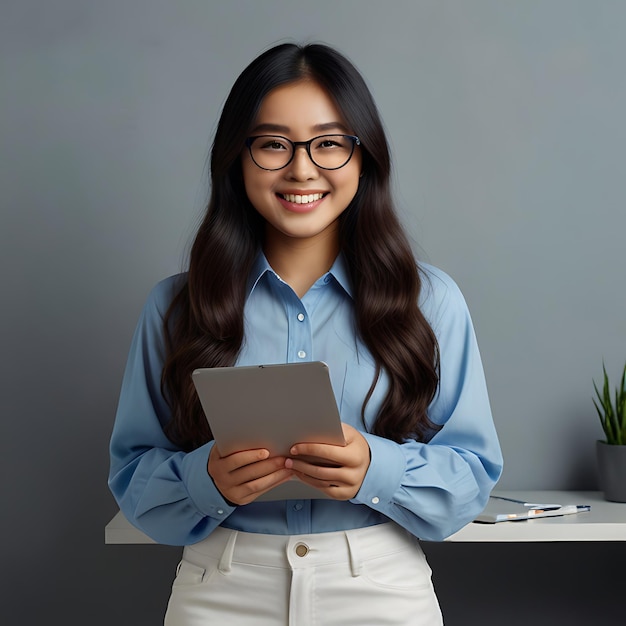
(301, 166)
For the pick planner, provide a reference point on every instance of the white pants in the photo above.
(373, 576)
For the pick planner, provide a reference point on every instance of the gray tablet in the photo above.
(272, 407)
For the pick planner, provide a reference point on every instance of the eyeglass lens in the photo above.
(327, 151)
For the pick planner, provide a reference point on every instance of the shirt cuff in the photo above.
(384, 475)
(200, 486)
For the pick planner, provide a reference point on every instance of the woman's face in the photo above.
(300, 111)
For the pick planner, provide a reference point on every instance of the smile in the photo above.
(301, 199)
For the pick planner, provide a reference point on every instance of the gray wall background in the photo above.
(506, 120)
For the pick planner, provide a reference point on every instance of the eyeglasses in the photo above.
(328, 152)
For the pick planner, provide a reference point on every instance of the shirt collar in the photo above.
(260, 267)
(339, 271)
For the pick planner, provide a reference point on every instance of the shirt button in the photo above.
(301, 317)
(297, 507)
(220, 512)
(375, 500)
(301, 354)
(302, 549)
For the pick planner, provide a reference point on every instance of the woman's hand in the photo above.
(346, 466)
(242, 477)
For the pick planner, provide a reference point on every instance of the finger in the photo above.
(229, 473)
(320, 453)
(254, 471)
(338, 483)
(333, 489)
(322, 473)
(250, 491)
(242, 458)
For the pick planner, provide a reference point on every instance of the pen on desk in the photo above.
(539, 512)
(567, 509)
(574, 508)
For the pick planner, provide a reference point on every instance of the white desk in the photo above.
(605, 522)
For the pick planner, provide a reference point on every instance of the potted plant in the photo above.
(611, 453)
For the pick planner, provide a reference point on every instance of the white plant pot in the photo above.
(612, 470)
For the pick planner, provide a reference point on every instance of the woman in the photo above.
(301, 257)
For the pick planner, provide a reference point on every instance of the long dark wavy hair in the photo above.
(204, 323)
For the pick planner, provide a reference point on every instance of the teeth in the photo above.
(305, 199)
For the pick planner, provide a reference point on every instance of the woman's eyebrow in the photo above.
(278, 128)
(330, 126)
(270, 128)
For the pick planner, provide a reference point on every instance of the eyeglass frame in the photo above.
(307, 144)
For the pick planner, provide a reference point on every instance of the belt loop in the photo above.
(226, 559)
(355, 559)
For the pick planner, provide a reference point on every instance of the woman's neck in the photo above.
(300, 262)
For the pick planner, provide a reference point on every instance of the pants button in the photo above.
(302, 549)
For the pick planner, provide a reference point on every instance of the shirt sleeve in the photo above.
(433, 489)
(162, 490)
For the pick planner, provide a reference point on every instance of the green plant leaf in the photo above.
(612, 410)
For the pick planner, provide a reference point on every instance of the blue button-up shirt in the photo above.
(432, 489)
